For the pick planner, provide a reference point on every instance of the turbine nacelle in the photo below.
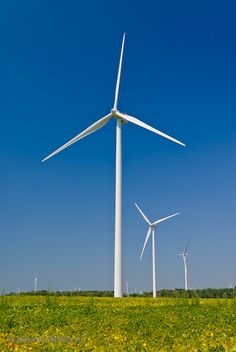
(115, 113)
(183, 254)
(153, 226)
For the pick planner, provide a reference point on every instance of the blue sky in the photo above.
(58, 68)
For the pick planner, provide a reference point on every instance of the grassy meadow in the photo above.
(47, 323)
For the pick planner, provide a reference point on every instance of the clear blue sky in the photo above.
(58, 68)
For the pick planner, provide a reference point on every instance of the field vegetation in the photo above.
(62, 323)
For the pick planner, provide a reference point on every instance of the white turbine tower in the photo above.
(184, 255)
(120, 119)
(35, 283)
(151, 229)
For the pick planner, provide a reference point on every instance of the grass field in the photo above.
(37, 323)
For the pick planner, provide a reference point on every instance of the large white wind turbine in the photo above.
(151, 229)
(120, 119)
(184, 255)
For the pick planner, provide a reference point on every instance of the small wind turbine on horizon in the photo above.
(35, 283)
(120, 120)
(151, 229)
(127, 288)
(184, 255)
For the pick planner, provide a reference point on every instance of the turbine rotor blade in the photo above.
(185, 250)
(94, 127)
(163, 219)
(142, 213)
(144, 125)
(146, 239)
(118, 75)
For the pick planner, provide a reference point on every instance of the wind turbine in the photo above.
(120, 120)
(35, 283)
(184, 255)
(151, 229)
(127, 288)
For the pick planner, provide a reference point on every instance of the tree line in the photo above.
(176, 293)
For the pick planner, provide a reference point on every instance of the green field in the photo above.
(37, 323)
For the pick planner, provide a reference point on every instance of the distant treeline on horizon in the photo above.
(176, 293)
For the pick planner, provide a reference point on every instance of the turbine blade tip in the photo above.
(47, 157)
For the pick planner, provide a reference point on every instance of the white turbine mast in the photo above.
(35, 283)
(185, 255)
(120, 119)
(151, 230)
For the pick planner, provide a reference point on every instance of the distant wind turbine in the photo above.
(184, 255)
(127, 288)
(120, 120)
(151, 229)
(35, 283)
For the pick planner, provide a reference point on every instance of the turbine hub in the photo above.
(114, 114)
(113, 111)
